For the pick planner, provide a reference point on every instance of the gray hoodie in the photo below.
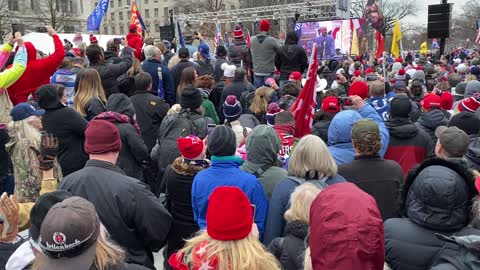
(263, 49)
(263, 145)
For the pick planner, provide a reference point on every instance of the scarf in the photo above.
(114, 117)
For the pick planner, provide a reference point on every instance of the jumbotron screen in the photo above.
(334, 38)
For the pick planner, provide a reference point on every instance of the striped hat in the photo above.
(232, 108)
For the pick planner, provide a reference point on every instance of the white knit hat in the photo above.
(228, 70)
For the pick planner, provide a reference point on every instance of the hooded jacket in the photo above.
(263, 145)
(135, 41)
(236, 88)
(429, 121)
(466, 258)
(238, 53)
(37, 73)
(409, 145)
(225, 171)
(208, 107)
(291, 57)
(134, 151)
(263, 49)
(290, 250)
(346, 235)
(68, 126)
(473, 153)
(437, 198)
(340, 133)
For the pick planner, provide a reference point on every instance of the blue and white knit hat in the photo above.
(232, 108)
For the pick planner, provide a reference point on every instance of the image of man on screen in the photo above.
(325, 43)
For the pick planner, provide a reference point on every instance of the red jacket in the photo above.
(135, 42)
(38, 72)
(346, 230)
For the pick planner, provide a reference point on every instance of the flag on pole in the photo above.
(423, 48)
(218, 36)
(397, 37)
(227, 40)
(180, 39)
(136, 18)
(248, 39)
(95, 18)
(354, 49)
(477, 39)
(304, 108)
(380, 44)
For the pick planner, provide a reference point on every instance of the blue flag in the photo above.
(180, 36)
(227, 40)
(94, 20)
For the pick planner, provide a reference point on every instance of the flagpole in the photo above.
(401, 48)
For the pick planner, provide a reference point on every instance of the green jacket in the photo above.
(208, 107)
(263, 145)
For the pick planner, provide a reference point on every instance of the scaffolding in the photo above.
(318, 10)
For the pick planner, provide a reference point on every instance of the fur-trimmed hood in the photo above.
(181, 167)
(438, 194)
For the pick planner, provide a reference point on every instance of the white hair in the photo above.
(150, 51)
(22, 130)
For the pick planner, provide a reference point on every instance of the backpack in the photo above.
(320, 183)
(181, 126)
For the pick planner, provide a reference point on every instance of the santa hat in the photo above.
(93, 39)
(470, 104)
(191, 146)
(264, 25)
(238, 33)
(359, 88)
(273, 109)
(400, 76)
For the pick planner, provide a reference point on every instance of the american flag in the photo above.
(218, 36)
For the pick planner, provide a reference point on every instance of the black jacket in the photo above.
(150, 111)
(110, 72)
(218, 68)
(4, 157)
(238, 53)
(380, 178)
(133, 216)
(437, 199)
(289, 250)
(93, 108)
(429, 121)
(69, 128)
(111, 57)
(205, 67)
(467, 258)
(473, 153)
(236, 88)
(178, 69)
(167, 56)
(178, 178)
(216, 98)
(134, 151)
(320, 129)
(291, 57)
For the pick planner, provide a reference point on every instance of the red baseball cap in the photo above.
(330, 104)
(431, 101)
(295, 76)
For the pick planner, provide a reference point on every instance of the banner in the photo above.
(374, 16)
(397, 37)
(380, 44)
(95, 18)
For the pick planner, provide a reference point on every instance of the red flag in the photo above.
(304, 108)
(248, 39)
(380, 44)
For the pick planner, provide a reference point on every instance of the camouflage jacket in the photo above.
(28, 176)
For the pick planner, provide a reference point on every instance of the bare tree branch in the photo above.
(55, 13)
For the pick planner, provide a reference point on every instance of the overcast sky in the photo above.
(422, 18)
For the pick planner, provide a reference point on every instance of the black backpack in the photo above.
(181, 126)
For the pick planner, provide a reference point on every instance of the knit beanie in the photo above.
(222, 142)
(470, 104)
(400, 106)
(264, 25)
(273, 109)
(400, 76)
(191, 146)
(191, 98)
(446, 100)
(228, 70)
(237, 32)
(93, 39)
(102, 137)
(232, 108)
(229, 214)
(419, 75)
(471, 88)
(460, 89)
(475, 70)
(359, 88)
(466, 121)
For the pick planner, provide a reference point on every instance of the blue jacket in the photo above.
(66, 78)
(225, 171)
(278, 205)
(151, 67)
(340, 133)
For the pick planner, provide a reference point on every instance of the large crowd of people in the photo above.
(109, 155)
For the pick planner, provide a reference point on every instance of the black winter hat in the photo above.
(221, 51)
(191, 98)
(466, 121)
(400, 106)
(41, 207)
(222, 142)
